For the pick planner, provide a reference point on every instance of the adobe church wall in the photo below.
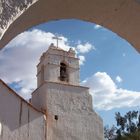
(18, 119)
(70, 112)
(62, 98)
(76, 118)
(73, 126)
(50, 95)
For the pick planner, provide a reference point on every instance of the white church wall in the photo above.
(19, 120)
(73, 106)
(67, 98)
(73, 126)
(64, 94)
(39, 98)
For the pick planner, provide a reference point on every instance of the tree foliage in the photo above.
(128, 127)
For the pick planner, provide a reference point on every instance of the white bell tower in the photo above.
(57, 65)
(70, 114)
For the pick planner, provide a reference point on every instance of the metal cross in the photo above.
(57, 39)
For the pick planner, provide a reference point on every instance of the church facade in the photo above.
(60, 109)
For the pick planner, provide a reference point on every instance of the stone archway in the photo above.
(122, 17)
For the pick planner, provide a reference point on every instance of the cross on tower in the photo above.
(57, 39)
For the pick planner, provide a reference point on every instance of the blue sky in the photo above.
(109, 65)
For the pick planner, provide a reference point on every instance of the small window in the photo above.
(63, 72)
(56, 117)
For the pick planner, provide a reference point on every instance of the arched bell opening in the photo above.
(63, 72)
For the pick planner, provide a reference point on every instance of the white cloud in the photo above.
(106, 95)
(97, 26)
(81, 60)
(119, 79)
(85, 48)
(19, 59)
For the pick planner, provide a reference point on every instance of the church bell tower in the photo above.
(70, 114)
(57, 65)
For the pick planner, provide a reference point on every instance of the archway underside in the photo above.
(122, 17)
